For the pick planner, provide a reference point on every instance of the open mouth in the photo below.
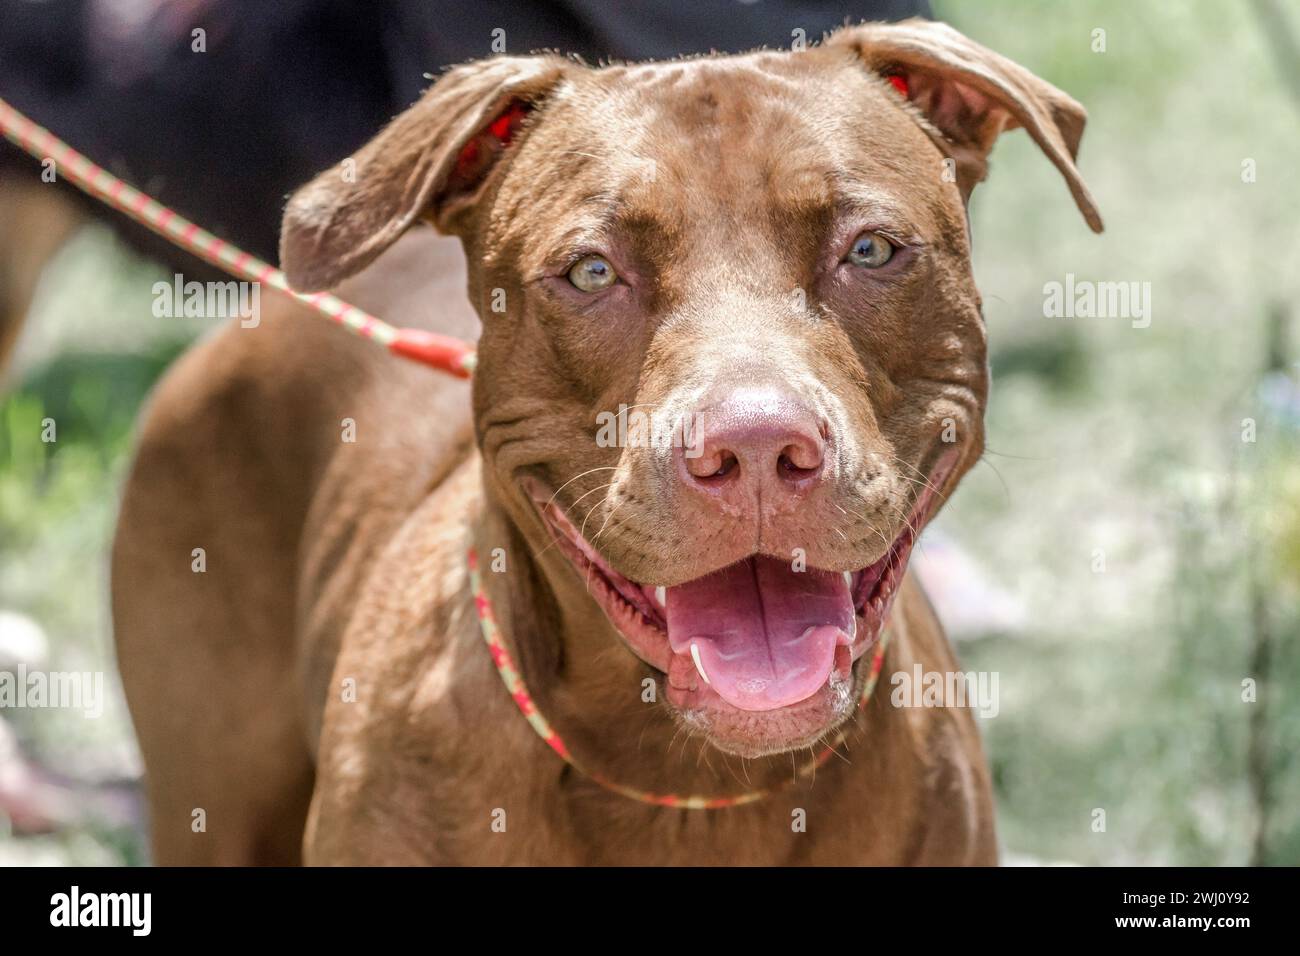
(758, 635)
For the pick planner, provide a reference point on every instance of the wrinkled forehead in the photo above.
(719, 140)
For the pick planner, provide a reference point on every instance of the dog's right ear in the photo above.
(434, 161)
(969, 95)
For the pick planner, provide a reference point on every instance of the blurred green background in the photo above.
(1121, 686)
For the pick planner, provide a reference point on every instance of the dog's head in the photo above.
(732, 354)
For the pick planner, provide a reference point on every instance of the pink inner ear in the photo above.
(899, 82)
(477, 154)
(505, 125)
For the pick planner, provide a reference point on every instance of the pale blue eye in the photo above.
(592, 273)
(870, 250)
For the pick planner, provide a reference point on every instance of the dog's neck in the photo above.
(604, 702)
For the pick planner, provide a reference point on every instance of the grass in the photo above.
(1126, 444)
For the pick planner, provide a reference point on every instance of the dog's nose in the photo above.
(754, 445)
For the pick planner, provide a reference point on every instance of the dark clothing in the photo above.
(286, 88)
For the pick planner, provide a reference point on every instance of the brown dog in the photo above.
(35, 222)
(767, 256)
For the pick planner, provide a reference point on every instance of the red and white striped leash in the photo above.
(437, 351)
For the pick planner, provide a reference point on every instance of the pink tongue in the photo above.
(765, 633)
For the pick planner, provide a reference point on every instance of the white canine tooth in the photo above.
(848, 579)
(695, 656)
(661, 595)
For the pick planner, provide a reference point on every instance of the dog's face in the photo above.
(732, 357)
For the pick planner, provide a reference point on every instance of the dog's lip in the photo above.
(638, 613)
(641, 621)
(631, 607)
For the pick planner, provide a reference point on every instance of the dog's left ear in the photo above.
(433, 161)
(969, 95)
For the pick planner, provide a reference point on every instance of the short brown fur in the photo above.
(335, 565)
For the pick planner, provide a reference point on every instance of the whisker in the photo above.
(554, 541)
(1003, 454)
(575, 478)
(1006, 490)
(596, 537)
(925, 481)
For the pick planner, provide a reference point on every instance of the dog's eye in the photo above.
(870, 250)
(592, 273)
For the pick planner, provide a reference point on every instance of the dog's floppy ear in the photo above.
(432, 161)
(969, 95)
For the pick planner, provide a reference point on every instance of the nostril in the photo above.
(787, 468)
(729, 464)
(713, 468)
(800, 457)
